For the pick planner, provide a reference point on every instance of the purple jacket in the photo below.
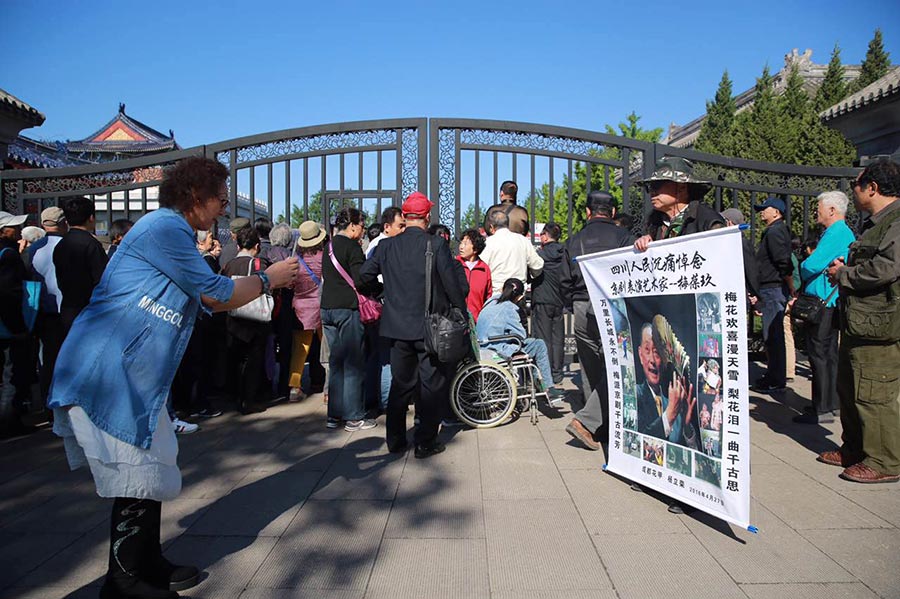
(306, 292)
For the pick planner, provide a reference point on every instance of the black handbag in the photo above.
(446, 335)
(808, 309)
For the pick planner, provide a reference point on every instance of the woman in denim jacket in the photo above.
(500, 316)
(115, 370)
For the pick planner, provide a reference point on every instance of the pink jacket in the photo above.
(306, 292)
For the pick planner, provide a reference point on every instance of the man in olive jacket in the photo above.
(868, 359)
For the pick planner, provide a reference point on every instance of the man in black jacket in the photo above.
(547, 301)
(776, 285)
(415, 374)
(17, 349)
(600, 233)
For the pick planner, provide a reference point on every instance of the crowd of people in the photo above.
(173, 314)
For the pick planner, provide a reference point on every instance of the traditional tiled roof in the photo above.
(25, 112)
(30, 153)
(123, 134)
(879, 89)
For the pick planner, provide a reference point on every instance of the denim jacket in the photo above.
(120, 357)
(499, 318)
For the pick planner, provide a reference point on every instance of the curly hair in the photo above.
(189, 180)
(476, 238)
(348, 216)
(247, 238)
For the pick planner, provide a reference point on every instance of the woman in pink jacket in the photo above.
(306, 299)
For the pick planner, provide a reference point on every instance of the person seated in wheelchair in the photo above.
(500, 316)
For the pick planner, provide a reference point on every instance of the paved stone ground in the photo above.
(276, 506)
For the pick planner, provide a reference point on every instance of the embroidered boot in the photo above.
(130, 527)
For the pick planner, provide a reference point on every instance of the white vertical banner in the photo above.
(673, 328)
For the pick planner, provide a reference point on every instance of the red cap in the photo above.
(417, 203)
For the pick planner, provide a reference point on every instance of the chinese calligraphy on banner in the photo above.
(673, 327)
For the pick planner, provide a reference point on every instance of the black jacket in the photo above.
(79, 260)
(698, 218)
(751, 270)
(336, 293)
(773, 256)
(545, 289)
(401, 261)
(599, 234)
(12, 273)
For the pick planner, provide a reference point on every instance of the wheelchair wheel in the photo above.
(483, 394)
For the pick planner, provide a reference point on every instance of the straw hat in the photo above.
(311, 234)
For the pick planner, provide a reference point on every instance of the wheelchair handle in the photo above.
(514, 338)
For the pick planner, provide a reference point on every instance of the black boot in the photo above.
(161, 572)
(130, 526)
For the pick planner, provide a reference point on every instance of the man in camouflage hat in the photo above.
(676, 196)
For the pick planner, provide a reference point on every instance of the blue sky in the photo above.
(214, 71)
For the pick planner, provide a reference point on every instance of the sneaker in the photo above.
(332, 422)
(451, 423)
(184, 428)
(296, 395)
(207, 413)
(555, 396)
(352, 426)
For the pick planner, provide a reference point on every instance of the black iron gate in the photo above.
(298, 174)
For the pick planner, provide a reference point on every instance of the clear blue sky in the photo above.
(217, 70)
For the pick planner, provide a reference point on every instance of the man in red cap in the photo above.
(415, 374)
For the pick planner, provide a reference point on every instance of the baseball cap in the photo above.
(734, 215)
(11, 220)
(238, 223)
(416, 203)
(773, 202)
(52, 215)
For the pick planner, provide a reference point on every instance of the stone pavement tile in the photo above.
(13, 508)
(515, 435)
(804, 460)
(64, 514)
(46, 480)
(520, 474)
(759, 456)
(352, 476)
(437, 504)
(803, 503)
(568, 454)
(540, 544)
(178, 515)
(420, 567)
(81, 564)
(809, 590)
(49, 592)
(607, 505)
(884, 503)
(201, 481)
(873, 556)
(660, 565)
(230, 562)
(609, 593)
(263, 504)
(20, 553)
(329, 545)
(776, 554)
(303, 594)
(307, 449)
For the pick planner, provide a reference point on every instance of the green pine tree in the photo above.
(794, 107)
(876, 64)
(833, 88)
(715, 134)
(756, 130)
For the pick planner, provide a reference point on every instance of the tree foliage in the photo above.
(875, 65)
(833, 88)
(715, 135)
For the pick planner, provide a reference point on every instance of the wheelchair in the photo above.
(488, 391)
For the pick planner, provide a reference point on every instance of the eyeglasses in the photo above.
(223, 199)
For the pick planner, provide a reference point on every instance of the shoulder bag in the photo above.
(369, 309)
(31, 299)
(260, 309)
(808, 309)
(447, 336)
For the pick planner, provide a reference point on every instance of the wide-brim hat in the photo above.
(311, 234)
(679, 170)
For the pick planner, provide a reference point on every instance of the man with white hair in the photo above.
(822, 337)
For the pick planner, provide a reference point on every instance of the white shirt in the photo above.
(374, 244)
(42, 263)
(510, 256)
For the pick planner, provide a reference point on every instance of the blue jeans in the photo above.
(773, 301)
(346, 386)
(537, 349)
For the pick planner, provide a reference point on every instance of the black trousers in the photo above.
(246, 363)
(547, 324)
(51, 332)
(419, 377)
(822, 349)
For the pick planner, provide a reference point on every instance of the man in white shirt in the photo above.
(509, 255)
(392, 223)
